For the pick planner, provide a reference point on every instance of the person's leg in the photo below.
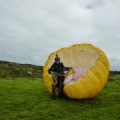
(53, 91)
(61, 79)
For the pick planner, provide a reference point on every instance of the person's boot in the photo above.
(53, 97)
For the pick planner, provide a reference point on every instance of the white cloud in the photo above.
(32, 29)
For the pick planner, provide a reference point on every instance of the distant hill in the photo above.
(12, 69)
(114, 73)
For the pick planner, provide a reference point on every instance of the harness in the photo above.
(55, 76)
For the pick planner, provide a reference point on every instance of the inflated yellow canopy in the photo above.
(90, 64)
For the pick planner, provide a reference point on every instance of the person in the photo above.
(58, 68)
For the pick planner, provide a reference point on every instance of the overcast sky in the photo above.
(31, 29)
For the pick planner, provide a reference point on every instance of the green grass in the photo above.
(28, 99)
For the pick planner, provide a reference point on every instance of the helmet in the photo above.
(57, 58)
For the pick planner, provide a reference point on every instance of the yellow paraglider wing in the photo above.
(90, 64)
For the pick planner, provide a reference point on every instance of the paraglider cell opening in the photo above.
(80, 62)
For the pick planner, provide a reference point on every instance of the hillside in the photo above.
(12, 69)
(16, 70)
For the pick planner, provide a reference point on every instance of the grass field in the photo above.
(28, 99)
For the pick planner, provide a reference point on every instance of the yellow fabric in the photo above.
(87, 58)
(69, 73)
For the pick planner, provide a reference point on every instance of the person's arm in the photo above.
(51, 69)
(65, 68)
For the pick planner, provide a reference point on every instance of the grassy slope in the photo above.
(13, 70)
(28, 99)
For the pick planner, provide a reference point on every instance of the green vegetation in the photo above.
(18, 70)
(13, 70)
(28, 99)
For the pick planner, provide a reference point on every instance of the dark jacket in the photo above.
(59, 68)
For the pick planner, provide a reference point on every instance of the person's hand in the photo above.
(71, 68)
